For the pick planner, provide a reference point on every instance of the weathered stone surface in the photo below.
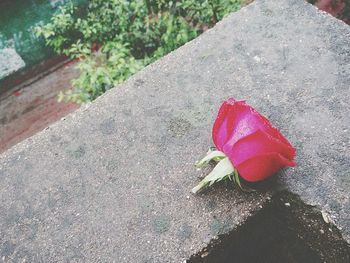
(112, 181)
(10, 62)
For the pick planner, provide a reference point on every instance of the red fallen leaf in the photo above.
(95, 47)
(16, 93)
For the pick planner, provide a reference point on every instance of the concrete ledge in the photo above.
(111, 182)
(10, 62)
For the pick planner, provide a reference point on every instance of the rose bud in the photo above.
(247, 144)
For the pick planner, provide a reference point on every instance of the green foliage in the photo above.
(101, 71)
(113, 39)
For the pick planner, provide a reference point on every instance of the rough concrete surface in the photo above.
(112, 181)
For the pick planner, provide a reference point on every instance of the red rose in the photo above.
(255, 148)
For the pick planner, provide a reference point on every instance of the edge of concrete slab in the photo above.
(66, 184)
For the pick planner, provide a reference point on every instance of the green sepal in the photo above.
(220, 172)
(211, 155)
(236, 179)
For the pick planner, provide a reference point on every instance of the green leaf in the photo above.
(221, 171)
(236, 179)
(134, 33)
(211, 155)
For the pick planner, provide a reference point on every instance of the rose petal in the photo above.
(271, 129)
(260, 167)
(254, 144)
(247, 121)
(236, 119)
(223, 125)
